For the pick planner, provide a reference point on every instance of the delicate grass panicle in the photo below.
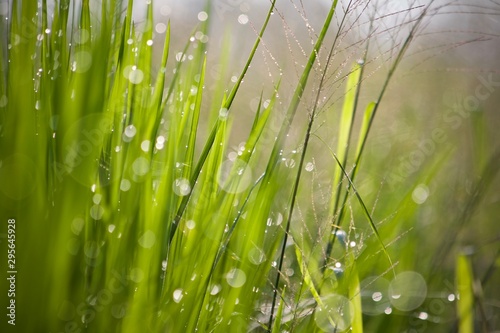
(134, 213)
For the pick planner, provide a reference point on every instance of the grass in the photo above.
(133, 211)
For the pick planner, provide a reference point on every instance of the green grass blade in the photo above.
(363, 133)
(363, 136)
(354, 294)
(279, 314)
(465, 302)
(363, 206)
(306, 276)
(189, 160)
(345, 131)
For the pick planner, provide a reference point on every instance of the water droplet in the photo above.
(334, 314)
(81, 36)
(177, 295)
(160, 28)
(243, 19)
(451, 297)
(204, 39)
(407, 291)
(165, 10)
(182, 187)
(190, 224)
(147, 240)
(360, 62)
(82, 61)
(236, 278)
(235, 176)
(140, 166)
(202, 16)
(339, 272)
(145, 145)
(309, 167)
(149, 42)
(232, 156)
(97, 198)
(223, 113)
(374, 295)
(125, 185)
(160, 139)
(136, 275)
(91, 249)
(96, 212)
(279, 219)
(180, 57)
(111, 228)
(77, 225)
(341, 236)
(136, 75)
(420, 194)
(256, 256)
(377, 296)
(290, 163)
(423, 316)
(193, 90)
(215, 289)
(159, 145)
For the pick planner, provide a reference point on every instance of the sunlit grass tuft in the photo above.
(130, 218)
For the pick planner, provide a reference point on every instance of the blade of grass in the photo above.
(354, 294)
(345, 130)
(363, 206)
(279, 315)
(465, 302)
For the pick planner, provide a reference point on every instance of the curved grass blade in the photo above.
(363, 206)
